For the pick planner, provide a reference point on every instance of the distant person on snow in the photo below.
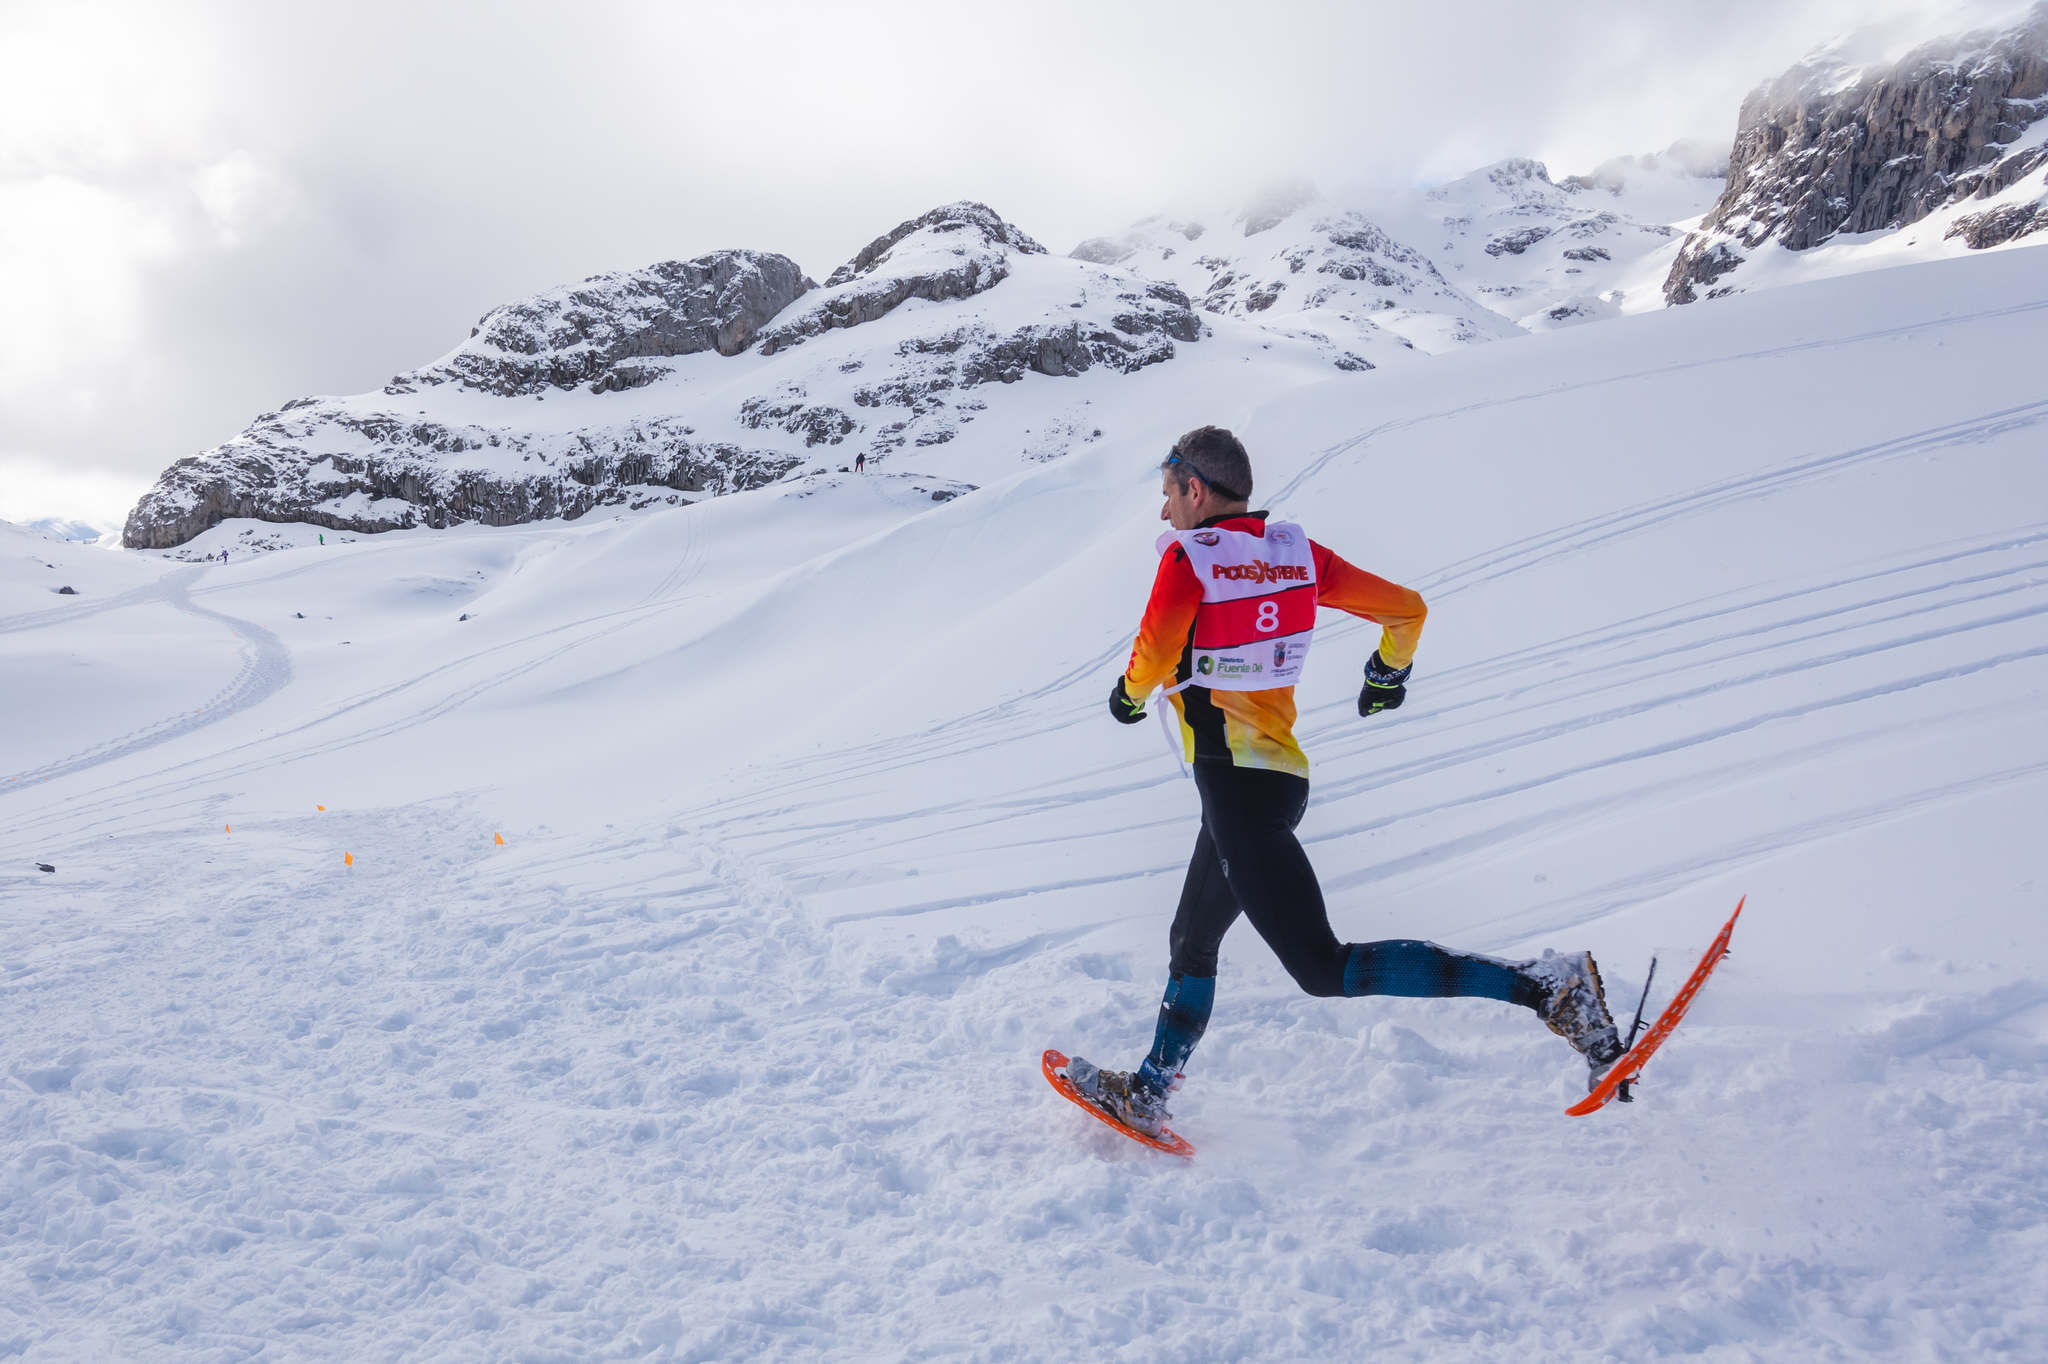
(1226, 632)
(860, 462)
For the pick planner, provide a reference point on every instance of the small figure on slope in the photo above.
(1226, 632)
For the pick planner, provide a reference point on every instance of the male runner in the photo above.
(1233, 606)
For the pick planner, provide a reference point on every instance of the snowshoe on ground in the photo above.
(1121, 1095)
(1575, 1008)
(1110, 1097)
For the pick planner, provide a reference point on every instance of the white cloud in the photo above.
(32, 488)
(71, 257)
(242, 199)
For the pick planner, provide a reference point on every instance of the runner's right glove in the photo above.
(1385, 688)
(1127, 711)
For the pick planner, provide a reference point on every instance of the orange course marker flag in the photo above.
(228, 828)
(348, 859)
(1631, 1065)
(500, 838)
(319, 807)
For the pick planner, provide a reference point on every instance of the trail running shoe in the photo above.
(1575, 1008)
(1120, 1094)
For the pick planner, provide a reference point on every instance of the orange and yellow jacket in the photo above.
(1253, 728)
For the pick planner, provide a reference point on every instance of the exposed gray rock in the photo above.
(67, 591)
(1515, 243)
(399, 474)
(955, 251)
(1708, 265)
(587, 333)
(818, 425)
(1823, 150)
(2000, 225)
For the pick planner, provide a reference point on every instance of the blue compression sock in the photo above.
(1422, 970)
(1183, 1017)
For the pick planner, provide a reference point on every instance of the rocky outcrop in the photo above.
(1516, 242)
(952, 252)
(587, 333)
(326, 465)
(1826, 149)
(2000, 225)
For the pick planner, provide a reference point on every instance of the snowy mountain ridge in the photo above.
(705, 377)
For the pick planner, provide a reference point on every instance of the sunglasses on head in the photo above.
(1173, 457)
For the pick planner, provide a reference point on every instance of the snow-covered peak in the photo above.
(1515, 181)
(962, 230)
(955, 251)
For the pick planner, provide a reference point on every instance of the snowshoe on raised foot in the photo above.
(1120, 1094)
(1575, 1008)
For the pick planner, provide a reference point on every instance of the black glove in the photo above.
(1385, 688)
(1126, 711)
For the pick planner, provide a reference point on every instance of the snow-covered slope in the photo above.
(815, 834)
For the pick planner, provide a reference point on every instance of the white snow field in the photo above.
(816, 832)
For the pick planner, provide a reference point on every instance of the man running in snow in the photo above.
(1227, 628)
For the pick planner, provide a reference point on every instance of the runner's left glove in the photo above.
(1121, 705)
(1385, 688)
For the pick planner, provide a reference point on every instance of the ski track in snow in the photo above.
(751, 1072)
(266, 670)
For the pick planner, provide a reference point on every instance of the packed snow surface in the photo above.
(815, 834)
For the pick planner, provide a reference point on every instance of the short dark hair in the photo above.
(1217, 457)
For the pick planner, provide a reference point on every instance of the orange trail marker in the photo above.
(319, 807)
(500, 838)
(227, 828)
(348, 859)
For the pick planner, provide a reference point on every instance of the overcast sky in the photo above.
(206, 210)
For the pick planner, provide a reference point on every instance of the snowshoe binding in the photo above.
(1120, 1094)
(1575, 1008)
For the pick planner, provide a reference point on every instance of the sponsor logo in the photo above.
(1280, 655)
(1227, 665)
(1208, 537)
(1283, 537)
(1259, 571)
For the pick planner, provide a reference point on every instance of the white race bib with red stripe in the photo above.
(1258, 605)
